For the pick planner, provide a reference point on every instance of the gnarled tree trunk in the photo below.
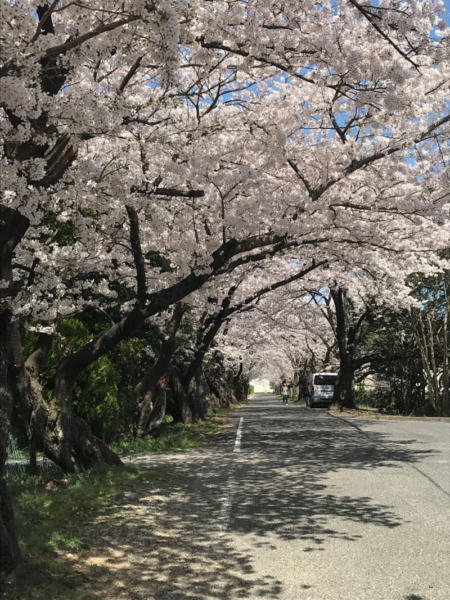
(240, 384)
(343, 389)
(349, 330)
(9, 548)
(13, 382)
(150, 393)
(180, 408)
(64, 437)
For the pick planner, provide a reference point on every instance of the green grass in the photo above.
(299, 401)
(177, 437)
(368, 408)
(49, 515)
(52, 517)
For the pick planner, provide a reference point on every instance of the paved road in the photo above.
(293, 504)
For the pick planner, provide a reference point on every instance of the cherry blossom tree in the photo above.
(287, 331)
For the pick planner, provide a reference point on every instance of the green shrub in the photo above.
(172, 438)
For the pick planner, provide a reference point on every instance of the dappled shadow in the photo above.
(175, 539)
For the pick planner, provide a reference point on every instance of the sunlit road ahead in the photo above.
(294, 504)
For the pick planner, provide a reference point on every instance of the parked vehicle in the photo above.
(321, 388)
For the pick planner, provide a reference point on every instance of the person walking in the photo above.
(285, 392)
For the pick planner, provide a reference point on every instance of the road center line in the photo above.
(226, 502)
(237, 443)
(225, 509)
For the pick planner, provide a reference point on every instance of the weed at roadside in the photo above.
(177, 437)
(51, 518)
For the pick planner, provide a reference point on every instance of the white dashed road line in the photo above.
(226, 503)
(237, 443)
(225, 508)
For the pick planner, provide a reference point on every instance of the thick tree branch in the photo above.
(78, 41)
(214, 323)
(370, 18)
(34, 362)
(300, 176)
(171, 192)
(138, 257)
(44, 13)
(130, 74)
(159, 301)
(357, 164)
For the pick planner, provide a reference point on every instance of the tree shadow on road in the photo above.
(175, 539)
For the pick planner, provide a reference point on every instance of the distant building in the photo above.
(261, 386)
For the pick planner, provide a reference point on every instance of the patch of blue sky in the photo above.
(446, 13)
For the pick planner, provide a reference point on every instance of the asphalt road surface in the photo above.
(294, 504)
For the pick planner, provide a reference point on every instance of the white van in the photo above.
(321, 388)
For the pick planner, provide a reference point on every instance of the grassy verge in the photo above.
(54, 511)
(178, 437)
(52, 518)
(299, 401)
(360, 409)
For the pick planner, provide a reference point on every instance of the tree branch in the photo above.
(44, 12)
(78, 41)
(137, 254)
(130, 74)
(369, 17)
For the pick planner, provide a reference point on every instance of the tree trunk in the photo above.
(180, 407)
(407, 394)
(240, 384)
(220, 381)
(150, 394)
(198, 392)
(9, 548)
(159, 408)
(10, 556)
(445, 353)
(343, 389)
(12, 378)
(152, 409)
(424, 343)
(64, 437)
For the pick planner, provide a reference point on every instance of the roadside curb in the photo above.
(376, 417)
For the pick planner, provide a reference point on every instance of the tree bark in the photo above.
(240, 384)
(343, 389)
(445, 353)
(179, 407)
(13, 382)
(150, 392)
(423, 343)
(10, 555)
(64, 437)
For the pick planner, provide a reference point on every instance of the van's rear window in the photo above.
(324, 379)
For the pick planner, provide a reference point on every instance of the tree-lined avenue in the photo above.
(313, 507)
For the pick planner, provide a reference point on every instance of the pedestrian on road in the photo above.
(285, 392)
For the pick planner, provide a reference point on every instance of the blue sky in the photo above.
(447, 11)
